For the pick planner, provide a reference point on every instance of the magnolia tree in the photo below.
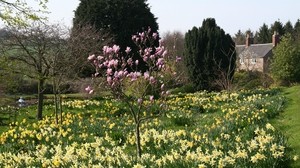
(120, 69)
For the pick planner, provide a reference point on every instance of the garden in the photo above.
(202, 129)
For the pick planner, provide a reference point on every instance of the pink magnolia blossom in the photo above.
(128, 49)
(89, 89)
(155, 35)
(145, 58)
(178, 58)
(107, 50)
(146, 75)
(136, 62)
(109, 80)
(164, 53)
(129, 61)
(91, 57)
(152, 80)
(109, 71)
(116, 48)
(160, 61)
(140, 101)
(151, 98)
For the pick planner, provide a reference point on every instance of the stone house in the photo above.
(255, 57)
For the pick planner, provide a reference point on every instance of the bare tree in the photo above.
(225, 75)
(31, 48)
(69, 59)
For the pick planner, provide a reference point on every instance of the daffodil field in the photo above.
(203, 129)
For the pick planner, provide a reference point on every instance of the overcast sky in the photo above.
(182, 15)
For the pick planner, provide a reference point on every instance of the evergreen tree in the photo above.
(297, 30)
(207, 51)
(288, 28)
(239, 38)
(120, 18)
(264, 35)
(286, 60)
(278, 27)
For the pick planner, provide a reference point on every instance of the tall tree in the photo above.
(174, 43)
(18, 12)
(207, 51)
(286, 60)
(297, 30)
(278, 27)
(239, 38)
(120, 18)
(32, 49)
(288, 27)
(264, 35)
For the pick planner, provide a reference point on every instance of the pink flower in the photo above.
(152, 80)
(160, 61)
(109, 80)
(107, 49)
(100, 58)
(145, 58)
(129, 61)
(146, 75)
(136, 62)
(164, 53)
(109, 71)
(91, 57)
(116, 48)
(154, 35)
(140, 101)
(178, 58)
(89, 89)
(151, 98)
(128, 49)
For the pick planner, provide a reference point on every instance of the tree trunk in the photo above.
(60, 108)
(40, 99)
(138, 141)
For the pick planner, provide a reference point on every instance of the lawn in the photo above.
(198, 130)
(289, 120)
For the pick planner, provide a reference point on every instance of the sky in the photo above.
(183, 15)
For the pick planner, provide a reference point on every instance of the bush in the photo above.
(251, 80)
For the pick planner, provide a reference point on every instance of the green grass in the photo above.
(289, 120)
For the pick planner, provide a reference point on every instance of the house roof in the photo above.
(254, 50)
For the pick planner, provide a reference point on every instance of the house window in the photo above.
(253, 60)
(242, 60)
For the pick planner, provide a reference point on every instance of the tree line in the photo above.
(265, 32)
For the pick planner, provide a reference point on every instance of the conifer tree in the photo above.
(207, 51)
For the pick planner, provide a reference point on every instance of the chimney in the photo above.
(249, 40)
(275, 39)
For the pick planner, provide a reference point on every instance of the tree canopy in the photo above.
(120, 18)
(208, 50)
(285, 63)
(18, 11)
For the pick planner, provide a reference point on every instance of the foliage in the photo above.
(120, 70)
(264, 34)
(174, 43)
(251, 80)
(278, 27)
(285, 63)
(208, 50)
(117, 18)
(34, 51)
(225, 131)
(19, 13)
